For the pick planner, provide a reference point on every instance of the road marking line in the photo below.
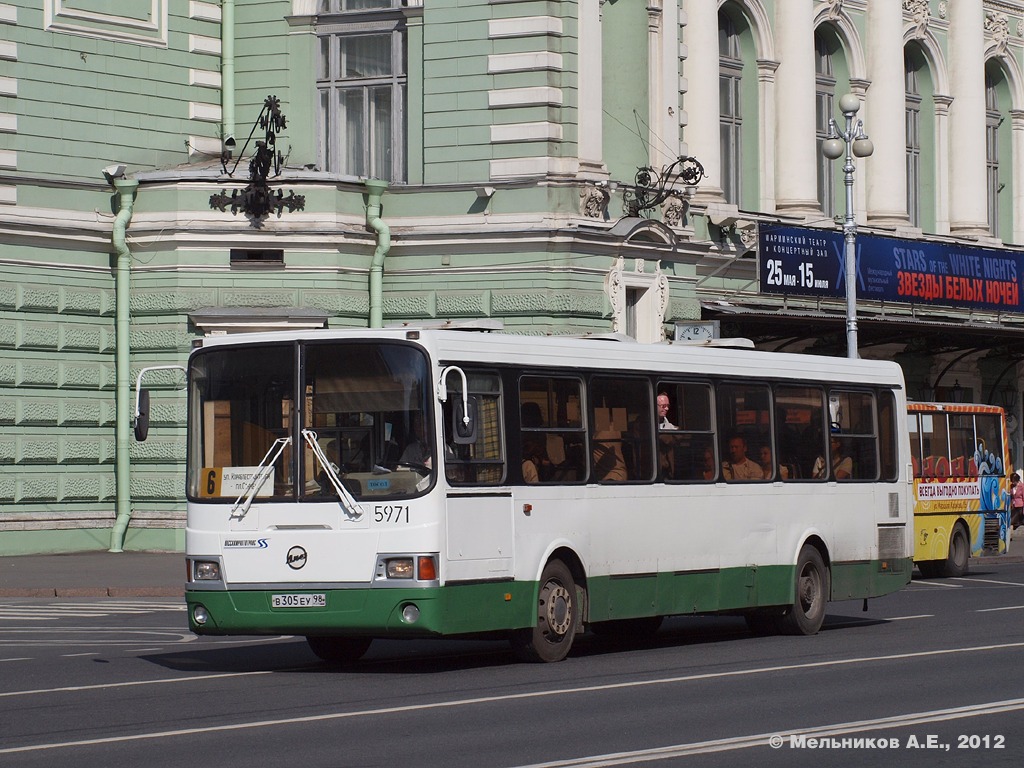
(1006, 608)
(992, 581)
(762, 739)
(19, 658)
(462, 702)
(904, 618)
(936, 584)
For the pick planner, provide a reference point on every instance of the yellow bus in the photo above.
(961, 461)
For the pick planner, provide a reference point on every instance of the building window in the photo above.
(824, 99)
(992, 121)
(361, 81)
(913, 147)
(730, 113)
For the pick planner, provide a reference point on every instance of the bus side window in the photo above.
(686, 444)
(552, 436)
(621, 429)
(482, 461)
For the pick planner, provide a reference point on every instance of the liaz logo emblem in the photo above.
(296, 558)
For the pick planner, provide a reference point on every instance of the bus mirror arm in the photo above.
(140, 419)
(442, 388)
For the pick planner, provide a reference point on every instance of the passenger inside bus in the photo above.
(739, 466)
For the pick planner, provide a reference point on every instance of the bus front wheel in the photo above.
(557, 618)
(806, 614)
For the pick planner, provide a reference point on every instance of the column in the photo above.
(702, 106)
(885, 115)
(796, 185)
(589, 74)
(968, 197)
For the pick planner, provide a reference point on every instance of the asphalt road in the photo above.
(934, 673)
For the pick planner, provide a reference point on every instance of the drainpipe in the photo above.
(227, 66)
(122, 280)
(375, 190)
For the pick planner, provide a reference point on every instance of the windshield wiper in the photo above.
(263, 471)
(349, 504)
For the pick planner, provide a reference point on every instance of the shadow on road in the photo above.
(291, 654)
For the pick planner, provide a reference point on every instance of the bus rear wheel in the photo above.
(557, 618)
(807, 613)
(338, 650)
(959, 556)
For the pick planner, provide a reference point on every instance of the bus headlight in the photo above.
(399, 568)
(207, 570)
(200, 615)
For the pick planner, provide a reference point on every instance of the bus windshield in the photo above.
(363, 424)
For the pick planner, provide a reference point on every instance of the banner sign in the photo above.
(803, 261)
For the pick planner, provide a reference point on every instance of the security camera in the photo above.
(115, 171)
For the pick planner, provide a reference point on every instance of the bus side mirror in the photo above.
(463, 432)
(142, 415)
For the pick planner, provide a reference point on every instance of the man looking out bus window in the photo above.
(664, 406)
(739, 467)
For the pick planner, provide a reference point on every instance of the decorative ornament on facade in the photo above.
(673, 212)
(920, 13)
(618, 280)
(594, 202)
(258, 200)
(943, 9)
(835, 9)
(652, 188)
(997, 26)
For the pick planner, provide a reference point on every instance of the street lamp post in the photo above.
(855, 143)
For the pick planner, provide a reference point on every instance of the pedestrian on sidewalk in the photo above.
(1016, 501)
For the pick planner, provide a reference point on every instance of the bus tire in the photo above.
(806, 614)
(338, 650)
(959, 557)
(557, 618)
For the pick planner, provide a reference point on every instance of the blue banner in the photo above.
(803, 261)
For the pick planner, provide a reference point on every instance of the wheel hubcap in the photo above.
(556, 608)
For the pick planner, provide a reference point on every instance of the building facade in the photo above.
(426, 160)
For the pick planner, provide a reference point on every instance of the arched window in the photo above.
(730, 79)
(998, 152)
(824, 101)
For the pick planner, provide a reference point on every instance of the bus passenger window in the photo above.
(552, 434)
(686, 445)
(620, 430)
(744, 416)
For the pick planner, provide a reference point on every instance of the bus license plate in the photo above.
(318, 600)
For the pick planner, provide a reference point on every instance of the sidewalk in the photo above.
(94, 574)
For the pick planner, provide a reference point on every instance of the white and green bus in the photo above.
(411, 483)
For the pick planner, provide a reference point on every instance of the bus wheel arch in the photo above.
(561, 606)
